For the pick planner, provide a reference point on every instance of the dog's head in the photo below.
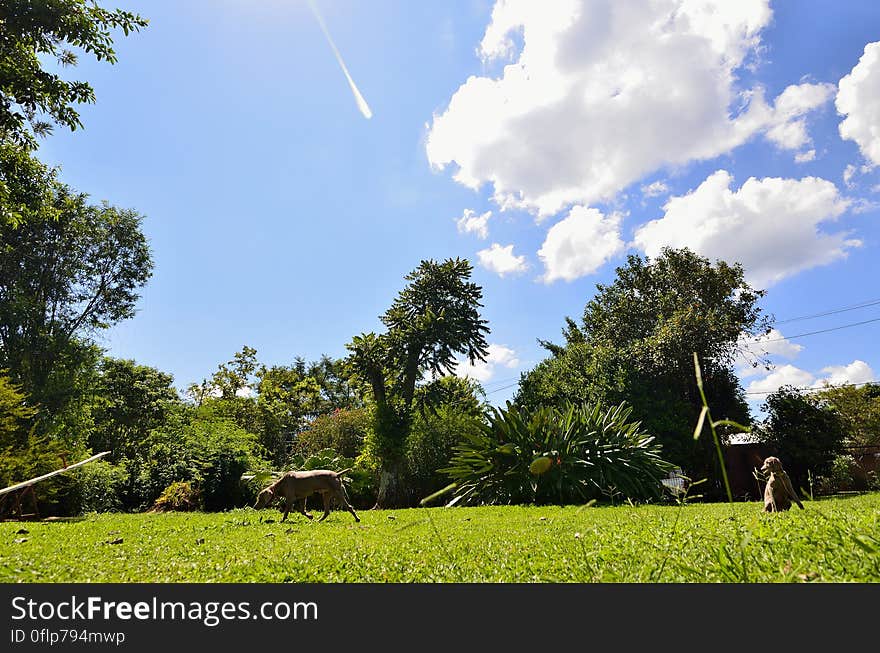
(265, 497)
(772, 465)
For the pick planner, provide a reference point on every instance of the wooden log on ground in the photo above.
(23, 484)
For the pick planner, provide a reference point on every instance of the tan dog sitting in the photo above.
(779, 492)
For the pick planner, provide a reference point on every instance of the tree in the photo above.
(276, 403)
(129, 400)
(435, 317)
(15, 413)
(635, 343)
(32, 31)
(859, 406)
(23, 454)
(25, 184)
(343, 431)
(67, 269)
(446, 412)
(289, 400)
(805, 433)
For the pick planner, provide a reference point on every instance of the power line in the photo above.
(496, 382)
(867, 303)
(812, 333)
(503, 388)
(813, 388)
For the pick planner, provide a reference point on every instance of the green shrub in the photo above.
(431, 445)
(101, 487)
(25, 455)
(570, 454)
(34, 456)
(343, 431)
(180, 496)
(805, 433)
(840, 477)
(211, 454)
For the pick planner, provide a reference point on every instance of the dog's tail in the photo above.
(348, 469)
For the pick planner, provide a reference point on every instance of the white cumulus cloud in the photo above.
(834, 375)
(772, 226)
(858, 98)
(856, 372)
(471, 223)
(501, 260)
(580, 243)
(788, 128)
(499, 356)
(780, 376)
(603, 92)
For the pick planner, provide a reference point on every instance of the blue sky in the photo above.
(281, 218)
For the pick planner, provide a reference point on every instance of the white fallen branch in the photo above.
(18, 486)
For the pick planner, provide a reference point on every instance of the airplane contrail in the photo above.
(358, 98)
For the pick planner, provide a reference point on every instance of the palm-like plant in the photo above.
(570, 454)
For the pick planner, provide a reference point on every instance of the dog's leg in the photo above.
(287, 506)
(326, 497)
(786, 482)
(304, 510)
(780, 493)
(769, 506)
(343, 499)
(770, 496)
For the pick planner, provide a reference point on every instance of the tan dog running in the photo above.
(779, 493)
(300, 485)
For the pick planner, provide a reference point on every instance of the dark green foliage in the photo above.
(859, 406)
(67, 270)
(635, 343)
(32, 31)
(100, 487)
(212, 454)
(570, 454)
(841, 477)
(343, 431)
(33, 456)
(292, 398)
(435, 317)
(806, 434)
(25, 455)
(447, 410)
(15, 413)
(276, 403)
(431, 446)
(25, 184)
(128, 401)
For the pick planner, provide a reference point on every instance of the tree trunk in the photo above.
(393, 492)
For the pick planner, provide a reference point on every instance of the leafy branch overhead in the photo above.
(31, 32)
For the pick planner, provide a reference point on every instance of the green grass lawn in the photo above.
(832, 540)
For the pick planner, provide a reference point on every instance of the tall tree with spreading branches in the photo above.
(433, 319)
(68, 268)
(635, 343)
